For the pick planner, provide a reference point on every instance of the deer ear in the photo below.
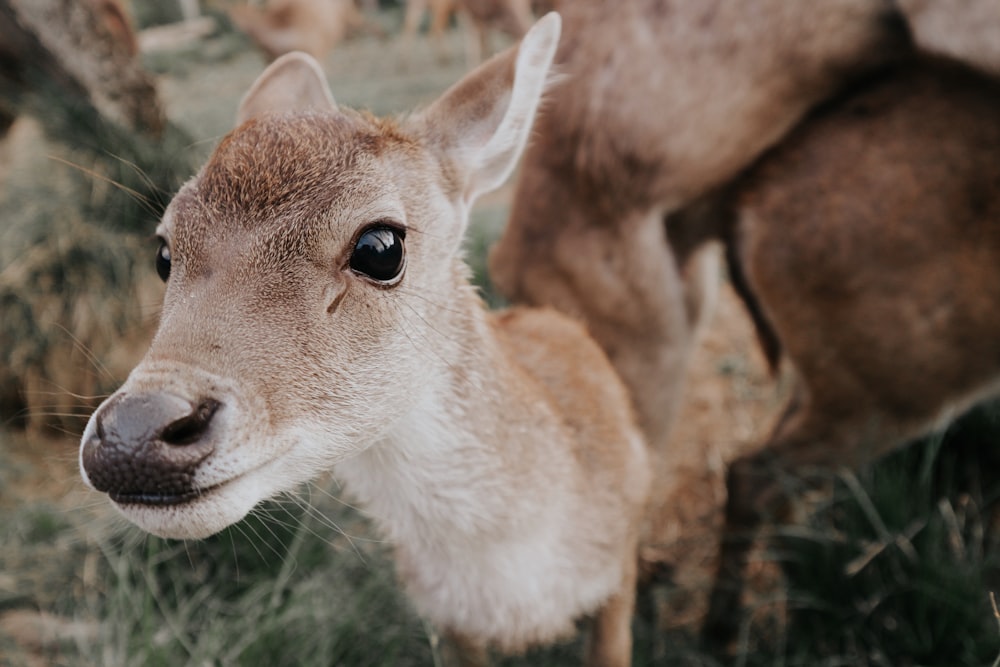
(293, 82)
(483, 121)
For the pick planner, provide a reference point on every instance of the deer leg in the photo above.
(747, 481)
(809, 433)
(411, 19)
(610, 642)
(441, 11)
(751, 493)
(456, 650)
(626, 283)
(641, 285)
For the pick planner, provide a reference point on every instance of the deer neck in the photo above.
(442, 472)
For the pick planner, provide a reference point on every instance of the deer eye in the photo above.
(163, 261)
(379, 254)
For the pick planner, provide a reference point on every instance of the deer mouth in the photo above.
(160, 499)
(192, 513)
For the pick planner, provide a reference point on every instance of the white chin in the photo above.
(199, 518)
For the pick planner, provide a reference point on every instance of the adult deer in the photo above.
(318, 315)
(664, 101)
(868, 247)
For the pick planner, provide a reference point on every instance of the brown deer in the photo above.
(867, 245)
(83, 52)
(312, 26)
(512, 17)
(663, 101)
(318, 315)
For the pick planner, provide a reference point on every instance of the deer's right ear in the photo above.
(293, 82)
(484, 120)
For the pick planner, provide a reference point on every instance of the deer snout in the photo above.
(145, 448)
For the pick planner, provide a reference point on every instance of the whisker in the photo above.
(143, 175)
(418, 295)
(236, 557)
(207, 140)
(85, 349)
(429, 346)
(337, 499)
(136, 195)
(256, 537)
(59, 392)
(324, 520)
(54, 411)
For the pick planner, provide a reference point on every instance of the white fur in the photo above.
(472, 552)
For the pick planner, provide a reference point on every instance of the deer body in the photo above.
(318, 315)
(869, 242)
(663, 102)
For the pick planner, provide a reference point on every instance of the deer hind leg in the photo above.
(441, 12)
(475, 36)
(760, 488)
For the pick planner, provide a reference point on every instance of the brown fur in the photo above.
(84, 50)
(663, 101)
(967, 30)
(870, 240)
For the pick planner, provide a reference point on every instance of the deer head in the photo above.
(308, 265)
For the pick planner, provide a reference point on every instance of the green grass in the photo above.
(895, 568)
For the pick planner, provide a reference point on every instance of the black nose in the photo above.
(147, 447)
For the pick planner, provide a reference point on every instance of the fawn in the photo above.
(866, 246)
(318, 315)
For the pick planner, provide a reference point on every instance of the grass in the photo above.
(894, 568)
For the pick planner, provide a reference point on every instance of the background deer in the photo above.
(867, 245)
(84, 51)
(662, 103)
(318, 314)
(512, 17)
(312, 26)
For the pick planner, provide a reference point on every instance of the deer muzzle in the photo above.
(146, 448)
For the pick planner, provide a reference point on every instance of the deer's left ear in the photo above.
(484, 120)
(293, 82)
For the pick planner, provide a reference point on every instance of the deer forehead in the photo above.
(286, 182)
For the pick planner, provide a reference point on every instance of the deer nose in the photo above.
(146, 448)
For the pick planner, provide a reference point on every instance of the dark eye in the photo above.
(379, 254)
(163, 261)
